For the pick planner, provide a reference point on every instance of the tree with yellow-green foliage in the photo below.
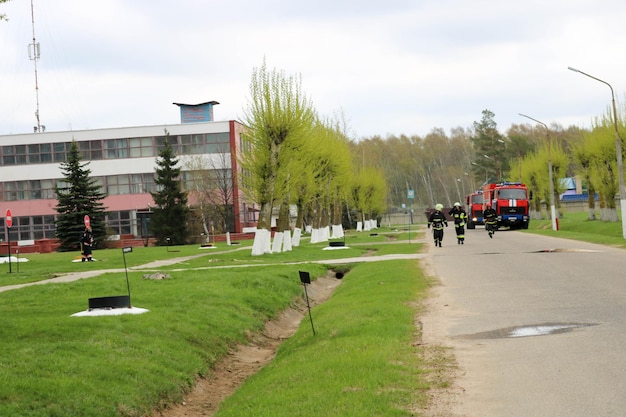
(532, 171)
(369, 195)
(279, 118)
(583, 158)
(600, 143)
(332, 165)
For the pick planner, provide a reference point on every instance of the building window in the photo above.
(24, 231)
(141, 147)
(15, 190)
(130, 184)
(116, 148)
(59, 149)
(119, 223)
(20, 154)
(46, 153)
(8, 155)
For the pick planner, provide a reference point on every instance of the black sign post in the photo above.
(305, 279)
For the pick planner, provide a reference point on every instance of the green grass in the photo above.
(50, 265)
(52, 364)
(360, 362)
(577, 226)
(355, 246)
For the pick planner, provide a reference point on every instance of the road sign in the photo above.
(410, 195)
(8, 219)
(87, 221)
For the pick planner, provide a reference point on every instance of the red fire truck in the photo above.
(510, 200)
(474, 203)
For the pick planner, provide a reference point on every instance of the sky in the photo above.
(393, 67)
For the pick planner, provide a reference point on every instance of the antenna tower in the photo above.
(34, 54)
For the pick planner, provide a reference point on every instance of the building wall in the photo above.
(28, 212)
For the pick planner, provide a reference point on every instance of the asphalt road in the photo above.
(496, 300)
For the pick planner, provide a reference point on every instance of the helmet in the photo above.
(488, 205)
(457, 204)
(438, 206)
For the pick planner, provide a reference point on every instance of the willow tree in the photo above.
(601, 145)
(322, 173)
(583, 157)
(278, 118)
(368, 194)
(560, 164)
(337, 187)
(533, 171)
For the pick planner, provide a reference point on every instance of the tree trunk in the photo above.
(262, 237)
(337, 226)
(282, 238)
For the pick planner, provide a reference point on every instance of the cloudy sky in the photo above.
(390, 67)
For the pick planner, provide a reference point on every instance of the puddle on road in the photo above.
(526, 331)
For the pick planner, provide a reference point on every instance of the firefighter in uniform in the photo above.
(86, 242)
(491, 220)
(437, 220)
(460, 217)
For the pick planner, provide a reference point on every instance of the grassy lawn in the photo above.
(362, 361)
(53, 364)
(50, 265)
(577, 226)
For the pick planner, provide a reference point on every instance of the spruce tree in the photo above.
(170, 217)
(79, 196)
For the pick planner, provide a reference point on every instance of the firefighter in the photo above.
(437, 220)
(491, 220)
(460, 217)
(86, 242)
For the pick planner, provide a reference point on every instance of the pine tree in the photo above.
(170, 217)
(490, 148)
(79, 196)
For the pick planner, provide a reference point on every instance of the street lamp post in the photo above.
(480, 166)
(618, 151)
(552, 207)
(496, 164)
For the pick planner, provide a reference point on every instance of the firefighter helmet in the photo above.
(438, 207)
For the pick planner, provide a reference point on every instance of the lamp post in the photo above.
(552, 207)
(497, 171)
(480, 166)
(618, 151)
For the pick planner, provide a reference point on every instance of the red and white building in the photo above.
(122, 160)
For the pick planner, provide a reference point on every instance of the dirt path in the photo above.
(245, 360)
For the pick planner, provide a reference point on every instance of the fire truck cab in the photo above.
(474, 203)
(510, 200)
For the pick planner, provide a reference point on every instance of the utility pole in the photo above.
(34, 55)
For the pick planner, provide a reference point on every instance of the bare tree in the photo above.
(211, 189)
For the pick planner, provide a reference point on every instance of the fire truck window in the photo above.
(512, 194)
